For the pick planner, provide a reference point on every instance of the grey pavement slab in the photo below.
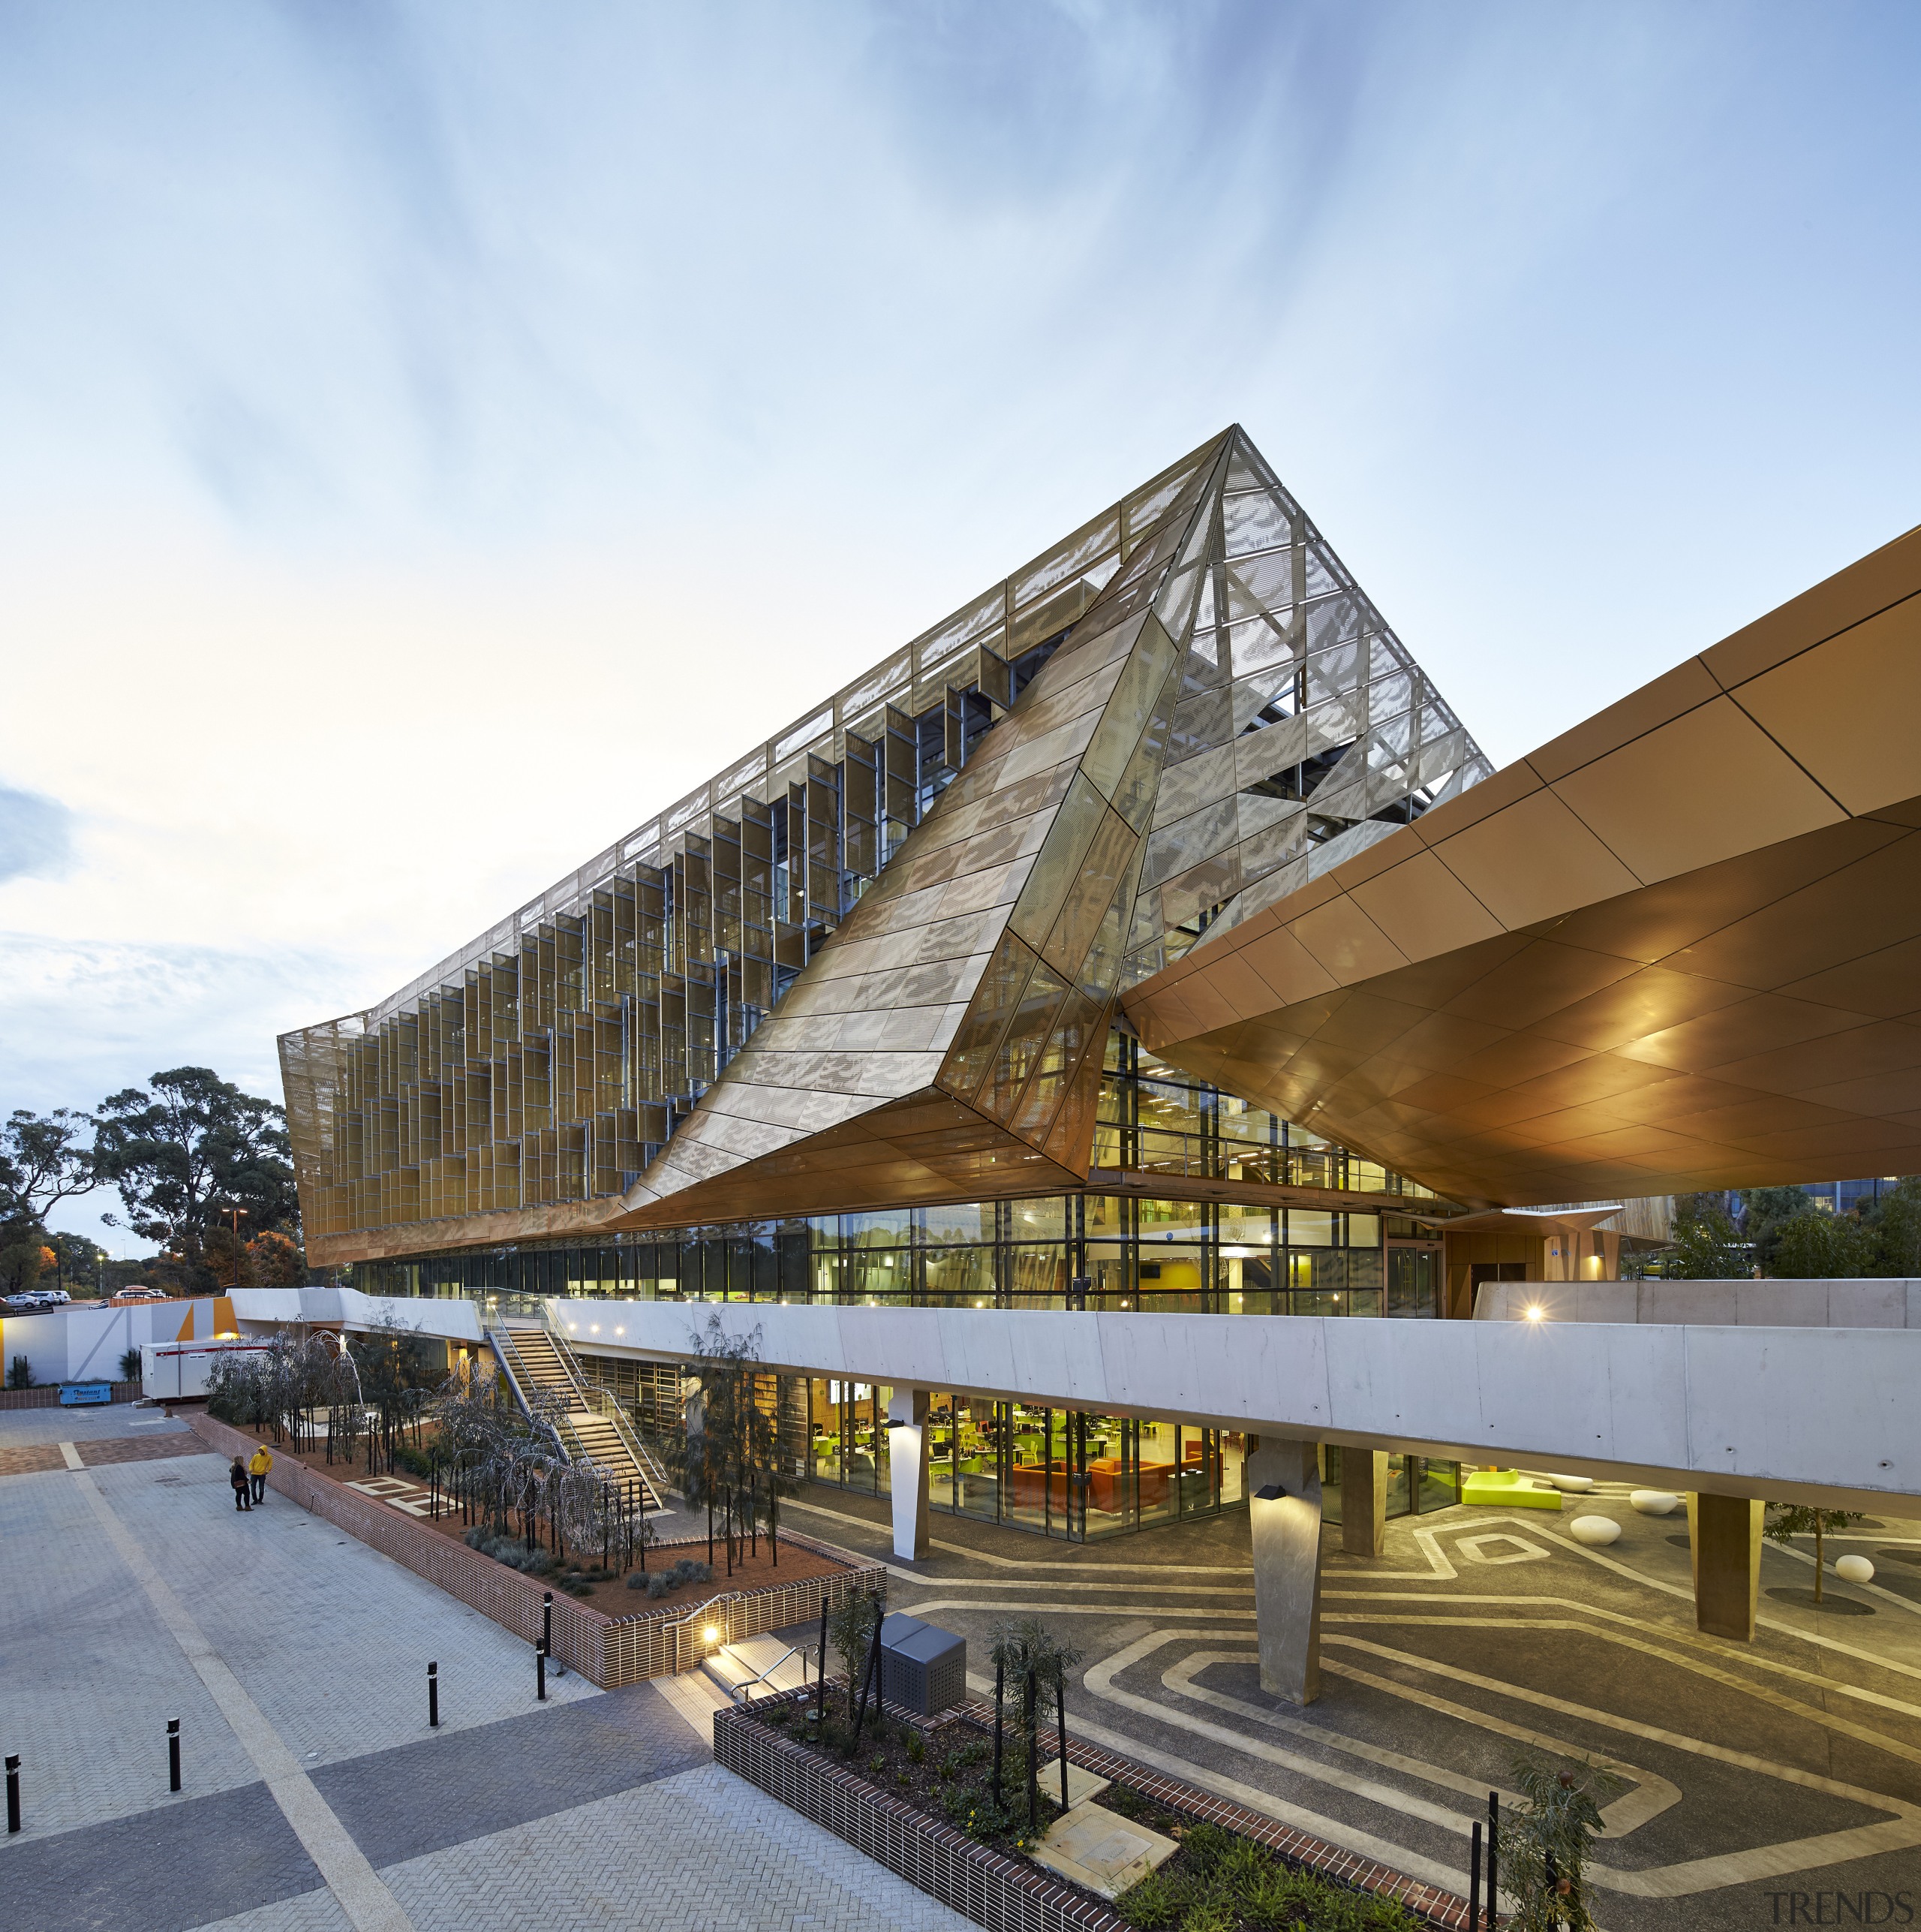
(446, 1789)
(330, 1639)
(88, 1679)
(203, 1858)
(21, 1426)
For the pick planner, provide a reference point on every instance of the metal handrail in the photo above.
(508, 1357)
(737, 1692)
(603, 1403)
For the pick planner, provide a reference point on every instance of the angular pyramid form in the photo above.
(1231, 716)
(876, 961)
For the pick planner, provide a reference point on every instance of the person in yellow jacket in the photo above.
(257, 1469)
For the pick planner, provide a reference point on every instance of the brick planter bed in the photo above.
(1005, 1892)
(606, 1650)
(802, 1560)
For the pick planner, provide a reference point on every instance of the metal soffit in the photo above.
(1678, 947)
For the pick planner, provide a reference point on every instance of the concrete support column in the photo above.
(1363, 1501)
(1283, 1479)
(1725, 1546)
(907, 1464)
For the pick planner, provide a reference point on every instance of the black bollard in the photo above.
(1493, 1859)
(13, 1795)
(540, 1671)
(433, 1697)
(1033, 1753)
(1474, 1881)
(547, 1622)
(820, 1685)
(1061, 1731)
(173, 1754)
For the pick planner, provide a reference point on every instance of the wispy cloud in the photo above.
(409, 408)
(36, 835)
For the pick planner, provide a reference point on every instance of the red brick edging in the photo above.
(1009, 1895)
(606, 1650)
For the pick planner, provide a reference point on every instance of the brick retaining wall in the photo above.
(47, 1394)
(1003, 1893)
(1009, 1895)
(606, 1650)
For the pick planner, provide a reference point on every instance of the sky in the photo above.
(433, 438)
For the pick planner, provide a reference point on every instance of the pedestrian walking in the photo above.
(258, 1468)
(237, 1476)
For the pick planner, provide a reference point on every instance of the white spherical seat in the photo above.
(1654, 1502)
(1854, 1570)
(1593, 1531)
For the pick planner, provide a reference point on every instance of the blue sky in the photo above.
(433, 438)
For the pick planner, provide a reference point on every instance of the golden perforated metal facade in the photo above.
(875, 962)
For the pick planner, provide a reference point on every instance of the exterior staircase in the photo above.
(541, 1370)
(756, 1666)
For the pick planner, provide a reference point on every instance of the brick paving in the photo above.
(594, 1809)
(700, 1850)
(98, 1453)
(163, 1871)
(423, 1796)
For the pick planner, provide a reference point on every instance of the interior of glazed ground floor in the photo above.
(1089, 1250)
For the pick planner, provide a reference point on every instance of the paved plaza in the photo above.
(315, 1796)
(1792, 1765)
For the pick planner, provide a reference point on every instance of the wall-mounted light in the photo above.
(1535, 1312)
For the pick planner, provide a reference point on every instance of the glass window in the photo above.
(893, 1227)
(967, 1221)
(1310, 1227)
(1043, 1218)
(1037, 1276)
(960, 1277)
(1363, 1230)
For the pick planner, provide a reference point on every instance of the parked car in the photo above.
(38, 1298)
(137, 1293)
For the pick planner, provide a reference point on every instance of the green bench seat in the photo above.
(1506, 1488)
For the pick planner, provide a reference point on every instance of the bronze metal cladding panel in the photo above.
(1685, 933)
(727, 998)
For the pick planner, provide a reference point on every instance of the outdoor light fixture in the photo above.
(710, 1634)
(593, 1328)
(1535, 1312)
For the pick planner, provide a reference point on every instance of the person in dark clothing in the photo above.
(237, 1476)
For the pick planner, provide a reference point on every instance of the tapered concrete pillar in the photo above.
(907, 1463)
(1724, 1545)
(1363, 1501)
(1283, 1480)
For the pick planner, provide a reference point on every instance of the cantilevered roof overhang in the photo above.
(1678, 947)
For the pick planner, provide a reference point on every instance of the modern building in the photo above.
(1150, 939)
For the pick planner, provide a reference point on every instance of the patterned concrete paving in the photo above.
(315, 1798)
(1753, 1774)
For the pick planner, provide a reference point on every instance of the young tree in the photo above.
(1707, 1244)
(1545, 1843)
(1818, 1246)
(726, 1459)
(1787, 1521)
(850, 1631)
(190, 1151)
